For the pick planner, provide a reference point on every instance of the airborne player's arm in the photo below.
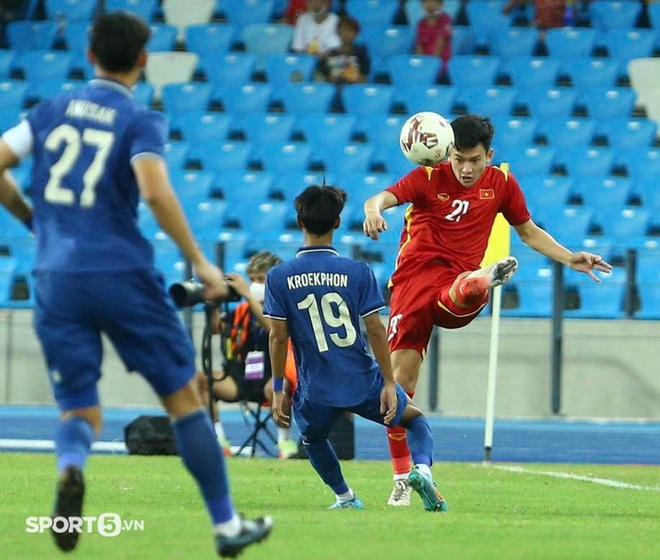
(374, 223)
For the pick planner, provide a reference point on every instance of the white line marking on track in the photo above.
(585, 478)
(49, 445)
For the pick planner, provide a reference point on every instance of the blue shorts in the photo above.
(132, 308)
(315, 420)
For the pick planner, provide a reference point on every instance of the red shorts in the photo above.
(420, 300)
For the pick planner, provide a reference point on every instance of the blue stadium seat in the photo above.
(546, 190)
(625, 225)
(176, 154)
(391, 157)
(9, 117)
(568, 133)
(365, 99)
(600, 301)
(287, 158)
(205, 38)
(567, 223)
(41, 65)
(144, 9)
(534, 288)
(486, 18)
(282, 69)
(654, 15)
(625, 44)
(568, 43)
(388, 40)
(31, 35)
(300, 99)
(642, 164)
(241, 187)
(268, 217)
(268, 129)
(603, 193)
(69, 10)
(192, 187)
(647, 190)
(243, 99)
(76, 35)
(361, 186)
(532, 72)
(245, 12)
(7, 276)
(597, 244)
(381, 128)
(611, 14)
(6, 63)
(530, 160)
(372, 13)
(203, 128)
(463, 40)
(473, 71)
(409, 69)
(233, 68)
(207, 218)
(608, 103)
(625, 133)
(183, 97)
(44, 89)
(224, 157)
(229, 245)
(554, 103)
(514, 131)
(494, 101)
(326, 128)
(144, 93)
(284, 243)
(263, 39)
(587, 72)
(513, 41)
(591, 161)
(289, 183)
(649, 295)
(342, 159)
(440, 99)
(163, 37)
(80, 66)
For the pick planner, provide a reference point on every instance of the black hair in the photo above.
(472, 130)
(318, 208)
(117, 39)
(350, 22)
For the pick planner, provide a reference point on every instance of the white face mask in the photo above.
(258, 291)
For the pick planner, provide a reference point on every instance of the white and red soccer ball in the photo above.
(426, 138)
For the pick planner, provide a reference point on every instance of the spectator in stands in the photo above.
(246, 340)
(349, 63)
(294, 9)
(434, 33)
(548, 14)
(315, 31)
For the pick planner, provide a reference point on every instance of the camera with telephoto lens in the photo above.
(190, 293)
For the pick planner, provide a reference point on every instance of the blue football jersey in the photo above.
(83, 188)
(322, 297)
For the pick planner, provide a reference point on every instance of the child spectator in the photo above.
(315, 31)
(434, 32)
(349, 63)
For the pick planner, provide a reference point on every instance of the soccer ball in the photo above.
(425, 138)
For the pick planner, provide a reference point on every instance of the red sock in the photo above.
(399, 452)
(471, 292)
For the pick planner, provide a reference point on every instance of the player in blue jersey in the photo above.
(95, 152)
(317, 299)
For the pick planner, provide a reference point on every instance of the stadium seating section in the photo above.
(576, 113)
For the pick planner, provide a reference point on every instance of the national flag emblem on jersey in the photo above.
(486, 194)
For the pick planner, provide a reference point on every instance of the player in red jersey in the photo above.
(437, 279)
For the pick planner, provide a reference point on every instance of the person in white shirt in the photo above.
(315, 31)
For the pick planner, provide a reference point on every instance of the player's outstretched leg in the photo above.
(68, 503)
(494, 275)
(422, 483)
(251, 531)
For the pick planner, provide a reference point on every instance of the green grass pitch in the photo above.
(493, 514)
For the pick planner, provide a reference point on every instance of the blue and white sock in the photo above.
(73, 440)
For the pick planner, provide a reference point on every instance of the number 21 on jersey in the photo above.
(332, 312)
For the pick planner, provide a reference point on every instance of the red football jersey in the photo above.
(449, 222)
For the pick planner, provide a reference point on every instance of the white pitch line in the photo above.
(49, 445)
(585, 478)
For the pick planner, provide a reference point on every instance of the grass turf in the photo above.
(493, 514)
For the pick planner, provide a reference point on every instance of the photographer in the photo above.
(246, 343)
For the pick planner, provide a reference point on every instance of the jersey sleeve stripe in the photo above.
(275, 317)
(371, 311)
